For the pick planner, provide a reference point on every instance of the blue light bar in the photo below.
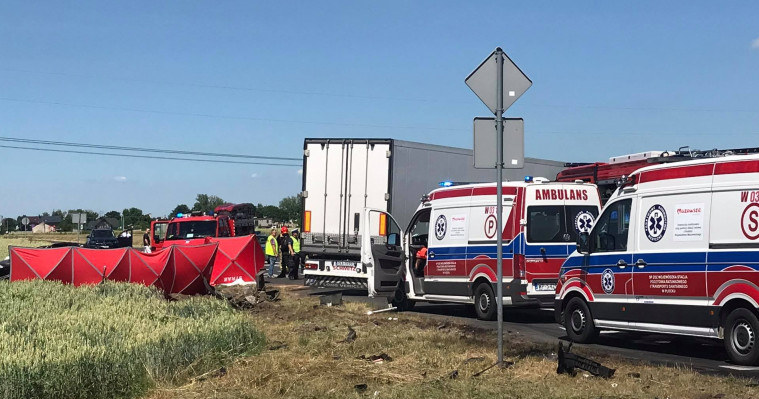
(446, 183)
(528, 179)
(180, 214)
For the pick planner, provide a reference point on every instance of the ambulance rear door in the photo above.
(555, 214)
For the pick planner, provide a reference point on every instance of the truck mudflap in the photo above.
(352, 283)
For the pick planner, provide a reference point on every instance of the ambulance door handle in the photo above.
(431, 255)
(641, 263)
(621, 264)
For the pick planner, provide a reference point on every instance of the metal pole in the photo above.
(499, 202)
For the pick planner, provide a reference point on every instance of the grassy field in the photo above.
(37, 240)
(111, 340)
(311, 361)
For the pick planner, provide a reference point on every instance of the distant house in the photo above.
(103, 223)
(43, 224)
(43, 228)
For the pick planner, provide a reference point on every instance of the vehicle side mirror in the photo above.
(583, 243)
(393, 239)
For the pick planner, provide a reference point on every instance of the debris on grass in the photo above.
(331, 299)
(360, 387)
(350, 337)
(277, 345)
(568, 362)
(382, 357)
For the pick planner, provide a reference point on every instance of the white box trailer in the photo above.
(342, 176)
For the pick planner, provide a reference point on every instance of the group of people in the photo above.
(286, 248)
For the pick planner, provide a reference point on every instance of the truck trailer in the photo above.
(342, 176)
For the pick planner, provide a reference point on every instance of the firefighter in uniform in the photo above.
(286, 249)
(296, 260)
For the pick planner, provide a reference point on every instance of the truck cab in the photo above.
(456, 226)
(189, 230)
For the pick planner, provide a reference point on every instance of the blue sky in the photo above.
(609, 78)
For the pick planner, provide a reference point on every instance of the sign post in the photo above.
(490, 81)
(79, 219)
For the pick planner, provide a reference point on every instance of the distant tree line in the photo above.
(289, 209)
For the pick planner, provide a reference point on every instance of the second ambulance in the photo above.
(456, 228)
(675, 250)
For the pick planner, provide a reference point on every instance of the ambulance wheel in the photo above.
(741, 340)
(484, 302)
(401, 301)
(578, 322)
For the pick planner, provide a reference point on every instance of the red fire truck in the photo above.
(229, 220)
(606, 175)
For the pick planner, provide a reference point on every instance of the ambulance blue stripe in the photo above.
(553, 250)
(734, 257)
(669, 262)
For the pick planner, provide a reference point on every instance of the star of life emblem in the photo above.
(441, 225)
(584, 222)
(607, 281)
(655, 223)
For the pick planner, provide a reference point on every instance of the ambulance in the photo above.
(457, 226)
(675, 251)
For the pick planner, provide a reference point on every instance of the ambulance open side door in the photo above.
(382, 252)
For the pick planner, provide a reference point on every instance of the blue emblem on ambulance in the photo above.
(607, 281)
(655, 223)
(441, 225)
(584, 222)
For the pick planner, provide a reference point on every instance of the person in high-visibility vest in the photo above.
(296, 260)
(272, 251)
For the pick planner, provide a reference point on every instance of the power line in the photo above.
(136, 149)
(361, 96)
(146, 156)
(21, 100)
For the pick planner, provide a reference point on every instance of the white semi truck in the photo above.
(342, 176)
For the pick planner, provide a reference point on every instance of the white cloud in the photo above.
(755, 44)
(120, 178)
(254, 175)
(300, 171)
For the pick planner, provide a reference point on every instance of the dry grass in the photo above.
(314, 363)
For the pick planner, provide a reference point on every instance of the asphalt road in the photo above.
(700, 354)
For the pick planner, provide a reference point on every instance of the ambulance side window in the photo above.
(545, 223)
(612, 228)
(419, 231)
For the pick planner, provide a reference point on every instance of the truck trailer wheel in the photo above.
(579, 322)
(484, 302)
(741, 341)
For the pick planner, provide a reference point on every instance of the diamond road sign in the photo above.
(485, 156)
(483, 82)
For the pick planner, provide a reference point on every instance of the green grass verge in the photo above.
(114, 340)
